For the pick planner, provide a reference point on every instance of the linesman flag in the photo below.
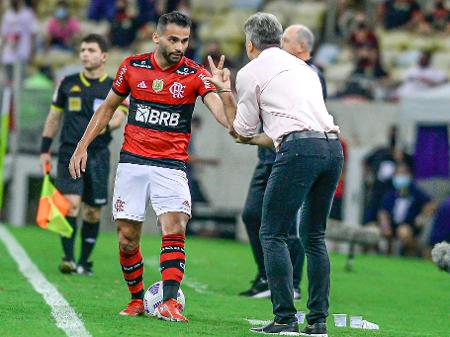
(52, 209)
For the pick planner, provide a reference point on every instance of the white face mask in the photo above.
(401, 181)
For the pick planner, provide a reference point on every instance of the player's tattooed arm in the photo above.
(221, 78)
(215, 105)
(99, 121)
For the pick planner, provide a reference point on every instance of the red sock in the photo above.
(133, 269)
(172, 262)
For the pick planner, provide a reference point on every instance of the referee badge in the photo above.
(74, 103)
(157, 85)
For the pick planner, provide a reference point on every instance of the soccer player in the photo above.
(163, 87)
(297, 40)
(75, 101)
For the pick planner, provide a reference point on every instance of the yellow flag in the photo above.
(52, 209)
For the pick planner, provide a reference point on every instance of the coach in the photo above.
(286, 94)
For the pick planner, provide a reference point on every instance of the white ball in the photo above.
(154, 297)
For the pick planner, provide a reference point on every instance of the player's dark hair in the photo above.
(174, 17)
(96, 38)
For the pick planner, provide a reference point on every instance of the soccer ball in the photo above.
(154, 297)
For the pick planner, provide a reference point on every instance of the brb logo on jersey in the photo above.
(177, 90)
(146, 114)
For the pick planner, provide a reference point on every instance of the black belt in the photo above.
(309, 134)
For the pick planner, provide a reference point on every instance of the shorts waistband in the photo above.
(309, 134)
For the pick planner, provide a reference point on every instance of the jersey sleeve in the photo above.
(59, 97)
(204, 86)
(120, 85)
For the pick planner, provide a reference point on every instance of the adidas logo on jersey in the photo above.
(142, 85)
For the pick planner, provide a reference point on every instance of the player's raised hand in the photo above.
(220, 75)
(77, 163)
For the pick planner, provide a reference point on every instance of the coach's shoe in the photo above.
(170, 311)
(85, 269)
(315, 330)
(134, 308)
(290, 329)
(67, 266)
(297, 294)
(259, 289)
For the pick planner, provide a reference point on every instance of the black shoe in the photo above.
(85, 269)
(273, 328)
(297, 294)
(259, 289)
(67, 266)
(316, 330)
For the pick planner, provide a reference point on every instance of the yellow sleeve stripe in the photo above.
(57, 108)
(123, 108)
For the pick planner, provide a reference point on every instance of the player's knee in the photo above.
(127, 243)
(91, 214)
(174, 223)
(74, 210)
(128, 237)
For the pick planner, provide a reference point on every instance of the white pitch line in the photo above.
(65, 316)
(257, 322)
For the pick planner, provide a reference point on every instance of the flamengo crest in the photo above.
(177, 90)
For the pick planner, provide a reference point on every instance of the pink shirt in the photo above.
(17, 31)
(63, 32)
(284, 92)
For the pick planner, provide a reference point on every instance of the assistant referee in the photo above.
(74, 102)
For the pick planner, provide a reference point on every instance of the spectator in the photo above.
(18, 31)
(148, 11)
(124, 26)
(361, 35)
(422, 77)
(401, 14)
(62, 29)
(101, 9)
(368, 79)
(399, 209)
(438, 20)
(379, 167)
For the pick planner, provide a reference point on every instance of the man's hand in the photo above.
(78, 162)
(46, 160)
(220, 75)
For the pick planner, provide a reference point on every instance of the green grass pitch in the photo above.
(406, 297)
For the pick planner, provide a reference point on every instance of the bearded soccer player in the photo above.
(163, 87)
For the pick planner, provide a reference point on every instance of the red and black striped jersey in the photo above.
(161, 106)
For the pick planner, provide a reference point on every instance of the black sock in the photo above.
(67, 243)
(170, 290)
(89, 234)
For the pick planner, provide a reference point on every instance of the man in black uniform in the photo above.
(75, 101)
(297, 40)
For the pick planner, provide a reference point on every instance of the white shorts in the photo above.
(137, 185)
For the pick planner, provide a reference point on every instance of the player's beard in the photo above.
(171, 58)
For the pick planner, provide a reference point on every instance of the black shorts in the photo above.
(93, 184)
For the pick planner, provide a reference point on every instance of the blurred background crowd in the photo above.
(386, 59)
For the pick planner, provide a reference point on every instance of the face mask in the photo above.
(61, 13)
(401, 181)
